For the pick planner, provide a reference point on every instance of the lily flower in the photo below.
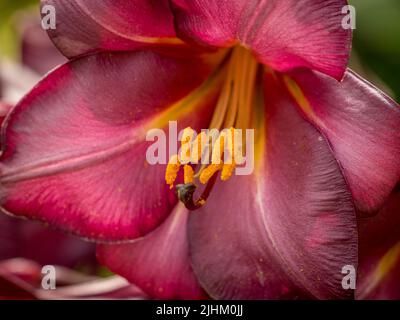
(327, 144)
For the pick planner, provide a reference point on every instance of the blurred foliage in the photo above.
(9, 44)
(103, 272)
(377, 39)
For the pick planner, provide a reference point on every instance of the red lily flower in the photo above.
(74, 147)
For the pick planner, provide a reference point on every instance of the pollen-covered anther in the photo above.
(209, 171)
(198, 147)
(188, 174)
(186, 142)
(192, 148)
(223, 157)
(227, 171)
(176, 161)
(172, 170)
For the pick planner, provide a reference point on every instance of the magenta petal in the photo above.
(75, 151)
(287, 230)
(362, 125)
(285, 34)
(110, 25)
(158, 263)
(379, 269)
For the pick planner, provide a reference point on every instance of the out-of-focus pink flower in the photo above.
(37, 51)
(21, 279)
(30, 240)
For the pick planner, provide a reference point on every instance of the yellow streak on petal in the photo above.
(388, 261)
(385, 265)
(302, 100)
(298, 95)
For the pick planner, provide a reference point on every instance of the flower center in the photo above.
(219, 151)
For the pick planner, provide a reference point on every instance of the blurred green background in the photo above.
(376, 45)
(8, 32)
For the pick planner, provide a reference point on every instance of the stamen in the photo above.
(234, 109)
(188, 174)
(187, 137)
(218, 149)
(224, 146)
(223, 101)
(237, 61)
(229, 155)
(208, 172)
(227, 171)
(198, 147)
(230, 164)
(172, 170)
(247, 88)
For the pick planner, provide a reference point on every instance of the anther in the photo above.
(198, 147)
(208, 172)
(227, 171)
(172, 170)
(187, 137)
(188, 174)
